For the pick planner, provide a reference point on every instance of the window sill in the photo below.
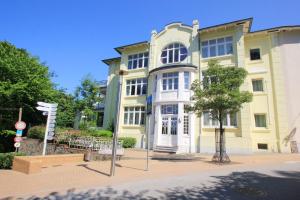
(260, 61)
(135, 96)
(133, 126)
(167, 91)
(217, 57)
(259, 93)
(261, 130)
(226, 128)
(136, 70)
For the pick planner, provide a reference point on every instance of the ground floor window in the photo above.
(262, 146)
(134, 115)
(229, 121)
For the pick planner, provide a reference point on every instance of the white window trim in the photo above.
(266, 118)
(173, 52)
(225, 48)
(189, 80)
(137, 59)
(173, 82)
(128, 112)
(224, 126)
(263, 85)
(143, 82)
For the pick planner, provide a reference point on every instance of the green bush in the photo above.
(128, 142)
(6, 159)
(7, 141)
(36, 132)
(102, 133)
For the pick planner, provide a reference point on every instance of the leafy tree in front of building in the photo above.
(219, 94)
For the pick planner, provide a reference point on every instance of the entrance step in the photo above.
(165, 149)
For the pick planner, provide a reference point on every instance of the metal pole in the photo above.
(20, 114)
(148, 143)
(115, 136)
(46, 132)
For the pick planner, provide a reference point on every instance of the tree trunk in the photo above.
(221, 137)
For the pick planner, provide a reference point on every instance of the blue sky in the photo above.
(73, 36)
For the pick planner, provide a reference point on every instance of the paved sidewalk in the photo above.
(130, 175)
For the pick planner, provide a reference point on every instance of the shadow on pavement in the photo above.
(237, 185)
(91, 169)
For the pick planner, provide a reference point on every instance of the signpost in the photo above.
(50, 110)
(20, 126)
(149, 112)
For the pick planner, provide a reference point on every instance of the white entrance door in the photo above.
(169, 130)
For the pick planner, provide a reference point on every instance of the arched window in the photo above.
(173, 53)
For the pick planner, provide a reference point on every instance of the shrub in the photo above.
(102, 133)
(36, 132)
(128, 142)
(7, 141)
(6, 159)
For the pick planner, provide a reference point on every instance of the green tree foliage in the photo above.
(24, 80)
(86, 96)
(219, 93)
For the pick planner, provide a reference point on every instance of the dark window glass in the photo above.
(262, 146)
(176, 58)
(254, 54)
(146, 62)
(133, 90)
(138, 89)
(173, 53)
(170, 56)
(134, 64)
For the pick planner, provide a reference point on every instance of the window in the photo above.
(207, 80)
(216, 47)
(138, 60)
(260, 120)
(136, 87)
(262, 146)
(186, 80)
(134, 115)
(229, 121)
(170, 81)
(173, 53)
(169, 109)
(254, 54)
(257, 85)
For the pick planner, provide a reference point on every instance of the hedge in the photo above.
(36, 132)
(128, 142)
(6, 159)
(7, 141)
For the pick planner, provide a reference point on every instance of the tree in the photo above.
(24, 80)
(219, 93)
(86, 95)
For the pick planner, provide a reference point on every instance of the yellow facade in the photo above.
(244, 138)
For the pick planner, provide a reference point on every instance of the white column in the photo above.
(180, 125)
(157, 125)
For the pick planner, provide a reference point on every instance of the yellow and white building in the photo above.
(174, 57)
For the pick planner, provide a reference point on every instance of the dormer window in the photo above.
(173, 53)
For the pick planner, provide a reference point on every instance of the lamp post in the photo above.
(115, 136)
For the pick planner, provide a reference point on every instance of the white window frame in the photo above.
(136, 57)
(206, 44)
(167, 78)
(171, 50)
(211, 125)
(130, 84)
(136, 109)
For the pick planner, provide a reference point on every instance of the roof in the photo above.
(172, 66)
(278, 28)
(109, 60)
(233, 23)
(119, 49)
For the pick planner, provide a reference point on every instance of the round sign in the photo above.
(17, 144)
(18, 139)
(20, 125)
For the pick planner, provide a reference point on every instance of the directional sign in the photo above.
(45, 113)
(20, 125)
(52, 121)
(17, 144)
(52, 117)
(18, 139)
(48, 105)
(42, 108)
(51, 129)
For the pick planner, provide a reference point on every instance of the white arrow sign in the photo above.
(52, 121)
(49, 137)
(52, 117)
(48, 105)
(51, 129)
(52, 113)
(45, 113)
(43, 108)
